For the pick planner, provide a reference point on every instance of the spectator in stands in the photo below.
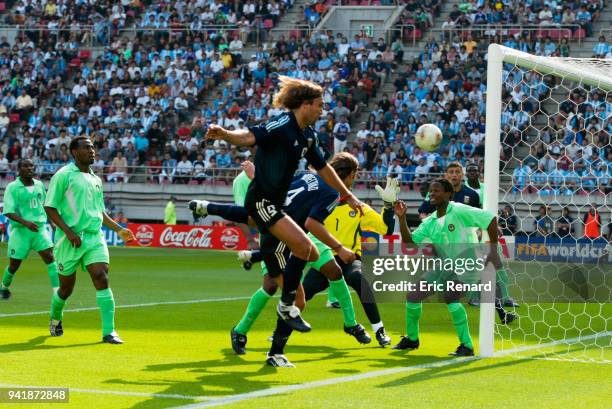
(341, 133)
(544, 225)
(592, 224)
(184, 170)
(154, 168)
(118, 169)
(565, 226)
(601, 49)
(508, 221)
(168, 169)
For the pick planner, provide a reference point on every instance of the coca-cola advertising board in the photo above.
(188, 237)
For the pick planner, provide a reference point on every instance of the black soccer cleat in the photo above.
(508, 318)
(279, 361)
(112, 338)
(406, 344)
(244, 257)
(291, 315)
(5, 294)
(382, 337)
(509, 302)
(462, 350)
(239, 342)
(359, 333)
(56, 330)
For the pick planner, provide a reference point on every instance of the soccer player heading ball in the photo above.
(281, 143)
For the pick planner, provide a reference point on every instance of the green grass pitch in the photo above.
(177, 349)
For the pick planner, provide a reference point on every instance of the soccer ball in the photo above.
(428, 137)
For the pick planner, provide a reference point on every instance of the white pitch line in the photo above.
(110, 392)
(373, 374)
(325, 382)
(151, 304)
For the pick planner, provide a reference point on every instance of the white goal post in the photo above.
(579, 73)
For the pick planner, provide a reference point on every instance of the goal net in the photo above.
(548, 174)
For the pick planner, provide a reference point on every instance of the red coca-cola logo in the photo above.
(230, 238)
(145, 235)
(197, 237)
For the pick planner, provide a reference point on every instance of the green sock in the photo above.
(339, 290)
(53, 277)
(256, 304)
(457, 312)
(7, 278)
(331, 298)
(57, 307)
(413, 315)
(502, 280)
(106, 303)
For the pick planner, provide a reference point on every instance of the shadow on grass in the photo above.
(442, 372)
(37, 343)
(223, 377)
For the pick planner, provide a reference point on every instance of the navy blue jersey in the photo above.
(310, 196)
(281, 144)
(466, 195)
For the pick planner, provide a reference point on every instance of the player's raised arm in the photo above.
(320, 232)
(329, 175)
(242, 137)
(400, 209)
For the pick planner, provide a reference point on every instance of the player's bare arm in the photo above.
(320, 232)
(238, 138)
(15, 217)
(125, 233)
(55, 217)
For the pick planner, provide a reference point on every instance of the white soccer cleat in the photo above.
(279, 360)
(199, 207)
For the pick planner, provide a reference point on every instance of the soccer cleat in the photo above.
(334, 304)
(244, 256)
(382, 337)
(56, 330)
(359, 333)
(238, 342)
(462, 350)
(199, 208)
(407, 344)
(474, 302)
(508, 318)
(279, 360)
(509, 302)
(112, 338)
(291, 315)
(5, 293)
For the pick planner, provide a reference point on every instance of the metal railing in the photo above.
(507, 30)
(84, 35)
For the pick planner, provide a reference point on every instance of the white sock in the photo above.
(376, 326)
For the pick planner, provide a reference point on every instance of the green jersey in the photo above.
(239, 188)
(26, 202)
(452, 228)
(78, 198)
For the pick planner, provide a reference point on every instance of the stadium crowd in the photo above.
(144, 100)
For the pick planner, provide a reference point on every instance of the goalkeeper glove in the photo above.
(390, 192)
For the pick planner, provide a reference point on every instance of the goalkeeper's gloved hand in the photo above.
(390, 192)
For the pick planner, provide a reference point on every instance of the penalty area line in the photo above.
(374, 374)
(150, 304)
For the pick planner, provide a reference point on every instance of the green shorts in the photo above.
(93, 250)
(22, 240)
(325, 256)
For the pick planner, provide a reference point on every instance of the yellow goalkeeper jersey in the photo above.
(346, 225)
